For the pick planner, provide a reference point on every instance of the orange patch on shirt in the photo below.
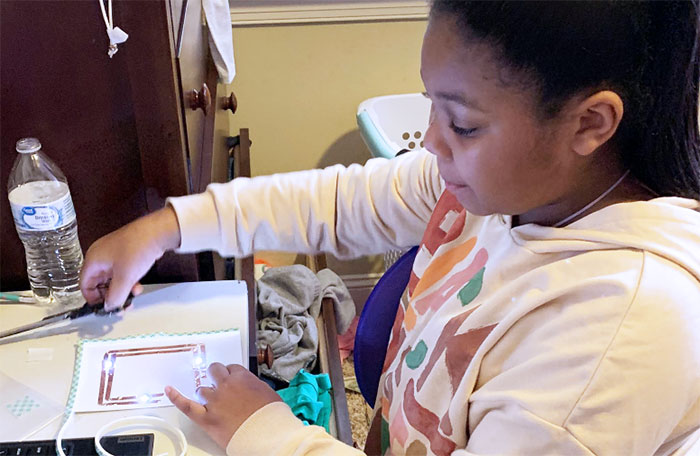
(385, 407)
(436, 298)
(442, 265)
(409, 320)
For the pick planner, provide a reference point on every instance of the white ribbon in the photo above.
(217, 13)
(115, 34)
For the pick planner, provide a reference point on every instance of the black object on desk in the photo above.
(122, 445)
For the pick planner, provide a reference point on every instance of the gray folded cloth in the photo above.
(289, 300)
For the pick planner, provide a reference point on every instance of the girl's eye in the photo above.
(462, 131)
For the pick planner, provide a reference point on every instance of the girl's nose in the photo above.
(434, 141)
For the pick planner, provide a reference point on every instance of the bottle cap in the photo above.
(28, 145)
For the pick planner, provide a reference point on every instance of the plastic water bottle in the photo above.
(45, 220)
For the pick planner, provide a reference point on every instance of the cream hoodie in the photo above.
(526, 341)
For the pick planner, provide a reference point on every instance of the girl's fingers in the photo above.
(218, 373)
(92, 295)
(236, 369)
(118, 291)
(91, 285)
(206, 393)
(190, 408)
(137, 289)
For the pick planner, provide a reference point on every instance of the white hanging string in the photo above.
(115, 34)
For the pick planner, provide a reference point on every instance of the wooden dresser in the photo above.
(128, 131)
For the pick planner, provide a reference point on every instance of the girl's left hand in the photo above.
(235, 396)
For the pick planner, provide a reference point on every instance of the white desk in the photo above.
(184, 307)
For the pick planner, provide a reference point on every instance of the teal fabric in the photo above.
(309, 398)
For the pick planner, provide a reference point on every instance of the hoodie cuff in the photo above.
(199, 222)
(250, 438)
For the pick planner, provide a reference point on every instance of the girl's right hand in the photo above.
(122, 257)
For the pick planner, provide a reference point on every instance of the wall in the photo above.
(298, 88)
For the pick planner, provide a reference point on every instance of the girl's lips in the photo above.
(452, 187)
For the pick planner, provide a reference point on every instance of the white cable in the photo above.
(111, 22)
(115, 34)
(108, 22)
(141, 421)
(59, 436)
(592, 203)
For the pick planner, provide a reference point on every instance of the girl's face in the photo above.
(493, 153)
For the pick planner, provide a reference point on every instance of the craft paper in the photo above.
(131, 373)
(23, 411)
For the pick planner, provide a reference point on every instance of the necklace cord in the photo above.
(592, 203)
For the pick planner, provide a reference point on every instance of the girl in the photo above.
(554, 304)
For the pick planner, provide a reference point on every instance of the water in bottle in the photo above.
(45, 220)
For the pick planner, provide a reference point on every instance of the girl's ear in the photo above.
(597, 118)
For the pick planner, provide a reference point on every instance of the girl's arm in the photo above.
(287, 436)
(349, 212)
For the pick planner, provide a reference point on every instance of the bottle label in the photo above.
(49, 216)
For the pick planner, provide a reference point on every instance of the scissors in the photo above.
(86, 309)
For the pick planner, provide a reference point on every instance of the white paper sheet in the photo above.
(23, 411)
(132, 373)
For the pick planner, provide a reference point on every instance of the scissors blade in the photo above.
(37, 324)
(70, 314)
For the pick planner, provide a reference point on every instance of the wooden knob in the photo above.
(200, 100)
(230, 103)
(265, 356)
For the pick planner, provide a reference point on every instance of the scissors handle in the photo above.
(86, 309)
(97, 309)
(78, 312)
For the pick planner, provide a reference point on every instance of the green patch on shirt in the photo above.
(472, 288)
(416, 356)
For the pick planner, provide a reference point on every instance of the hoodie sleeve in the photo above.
(349, 212)
(291, 436)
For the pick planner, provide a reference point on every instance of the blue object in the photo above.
(309, 398)
(376, 321)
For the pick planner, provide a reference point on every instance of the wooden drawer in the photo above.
(204, 120)
(192, 57)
